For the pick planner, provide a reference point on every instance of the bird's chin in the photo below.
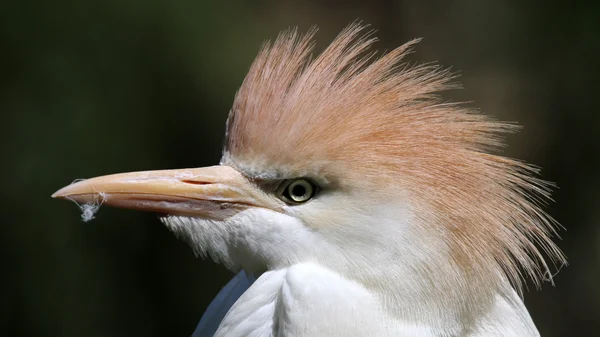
(174, 223)
(206, 237)
(255, 239)
(184, 227)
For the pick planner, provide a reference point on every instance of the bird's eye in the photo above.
(298, 191)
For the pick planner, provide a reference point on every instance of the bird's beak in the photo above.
(215, 192)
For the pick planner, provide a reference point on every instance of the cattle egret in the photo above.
(363, 204)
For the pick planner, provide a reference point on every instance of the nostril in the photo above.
(196, 182)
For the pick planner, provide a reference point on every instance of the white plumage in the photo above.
(296, 297)
(309, 300)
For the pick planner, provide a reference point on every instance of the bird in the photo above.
(354, 200)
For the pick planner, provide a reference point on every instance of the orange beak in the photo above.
(215, 192)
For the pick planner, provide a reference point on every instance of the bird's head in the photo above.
(355, 163)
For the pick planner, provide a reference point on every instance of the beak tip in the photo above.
(61, 193)
(75, 189)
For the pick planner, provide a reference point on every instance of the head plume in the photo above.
(378, 123)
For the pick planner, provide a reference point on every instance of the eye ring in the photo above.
(298, 191)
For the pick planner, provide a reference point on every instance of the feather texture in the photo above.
(377, 124)
(309, 300)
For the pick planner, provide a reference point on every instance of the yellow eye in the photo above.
(298, 191)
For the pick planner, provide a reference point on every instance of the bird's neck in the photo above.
(413, 270)
(437, 290)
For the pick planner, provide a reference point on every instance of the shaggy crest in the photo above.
(367, 122)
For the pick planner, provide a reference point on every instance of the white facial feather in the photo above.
(375, 243)
(255, 239)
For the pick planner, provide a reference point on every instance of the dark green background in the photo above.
(96, 87)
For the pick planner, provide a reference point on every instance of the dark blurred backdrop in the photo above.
(95, 87)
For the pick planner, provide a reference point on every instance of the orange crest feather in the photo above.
(381, 122)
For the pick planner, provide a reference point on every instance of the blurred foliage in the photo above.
(96, 87)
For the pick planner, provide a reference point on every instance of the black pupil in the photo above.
(298, 190)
